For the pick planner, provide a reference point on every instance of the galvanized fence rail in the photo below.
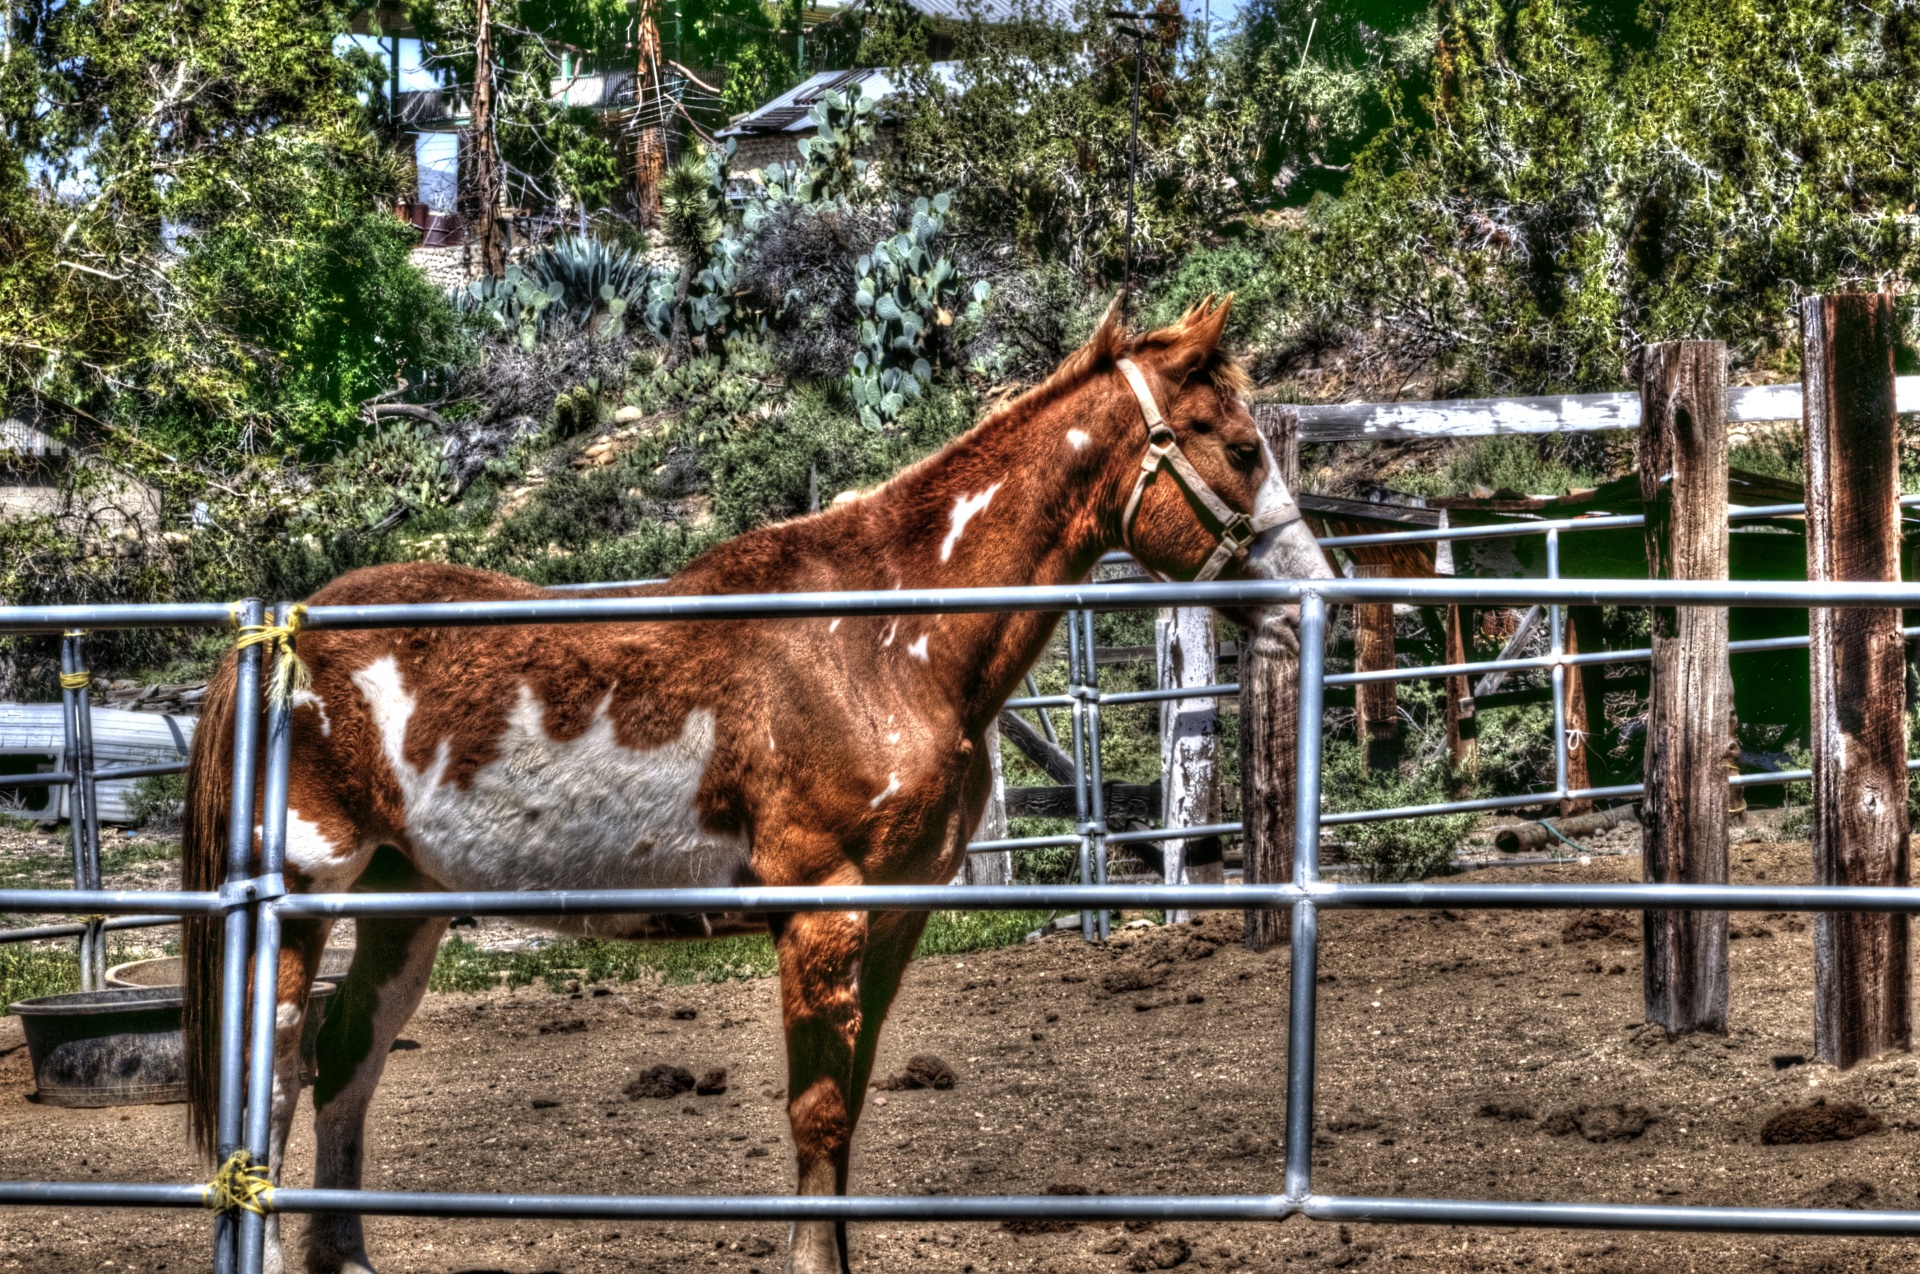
(254, 907)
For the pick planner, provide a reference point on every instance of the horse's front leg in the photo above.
(820, 969)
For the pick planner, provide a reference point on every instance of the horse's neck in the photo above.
(1024, 498)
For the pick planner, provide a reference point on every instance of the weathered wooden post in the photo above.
(992, 868)
(1186, 650)
(1376, 703)
(1683, 485)
(1463, 728)
(1862, 1001)
(1577, 724)
(1269, 715)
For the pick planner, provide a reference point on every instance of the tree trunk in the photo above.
(649, 105)
(1683, 485)
(486, 157)
(1862, 994)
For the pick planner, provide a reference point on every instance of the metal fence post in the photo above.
(1095, 789)
(237, 927)
(1082, 804)
(83, 815)
(266, 954)
(1301, 1006)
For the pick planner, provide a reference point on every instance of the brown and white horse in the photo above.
(795, 752)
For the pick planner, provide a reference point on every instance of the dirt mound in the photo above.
(1617, 927)
(1600, 1123)
(659, 1082)
(1133, 976)
(1047, 1227)
(1167, 1252)
(924, 1070)
(1841, 1192)
(1803, 1125)
(713, 1083)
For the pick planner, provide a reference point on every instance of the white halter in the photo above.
(1234, 530)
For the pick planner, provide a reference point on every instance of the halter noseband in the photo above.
(1234, 530)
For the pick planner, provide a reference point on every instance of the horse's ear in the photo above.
(1109, 341)
(1189, 344)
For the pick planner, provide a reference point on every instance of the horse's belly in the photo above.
(546, 813)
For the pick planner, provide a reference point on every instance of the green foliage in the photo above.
(464, 966)
(1395, 849)
(903, 292)
(157, 801)
(28, 969)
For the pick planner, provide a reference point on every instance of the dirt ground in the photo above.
(1462, 1054)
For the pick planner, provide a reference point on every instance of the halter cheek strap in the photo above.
(1234, 530)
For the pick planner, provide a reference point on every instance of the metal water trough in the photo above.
(119, 1047)
(123, 1046)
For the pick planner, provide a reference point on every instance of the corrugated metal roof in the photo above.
(19, 438)
(119, 738)
(989, 12)
(787, 113)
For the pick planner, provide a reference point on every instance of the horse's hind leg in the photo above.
(391, 963)
(301, 942)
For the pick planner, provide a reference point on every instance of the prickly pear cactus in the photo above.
(829, 167)
(905, 292)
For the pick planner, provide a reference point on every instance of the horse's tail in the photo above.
(203, 858)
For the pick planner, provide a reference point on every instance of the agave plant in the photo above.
(574, 283)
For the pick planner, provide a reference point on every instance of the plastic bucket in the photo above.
(118, 1047)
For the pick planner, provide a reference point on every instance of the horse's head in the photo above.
(1205, 499)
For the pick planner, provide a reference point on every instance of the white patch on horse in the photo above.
(893, 630)
(587, 813)
(893, 785)
(894, 737)
(306, 698)
(770, 746)
(919, 649)
(964, 511)
(834, 626)
(1078, 438)
(308, 847)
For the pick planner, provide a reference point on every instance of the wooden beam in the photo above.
(1189, 748)
(1683, 485)
(1862, 993)
(1552, 414)
(1137, 803)
(1269, 734)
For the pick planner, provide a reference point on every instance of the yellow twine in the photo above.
(290, 674)
(240, 1183)
(76, 680)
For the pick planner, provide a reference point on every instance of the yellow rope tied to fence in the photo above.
(289, 671)
(76, 680)
(240, 1183)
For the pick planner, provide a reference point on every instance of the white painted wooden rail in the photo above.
(1561, 413)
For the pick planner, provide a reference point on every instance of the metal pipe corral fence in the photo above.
(254, 908)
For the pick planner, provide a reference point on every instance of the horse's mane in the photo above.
(1109, 343)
